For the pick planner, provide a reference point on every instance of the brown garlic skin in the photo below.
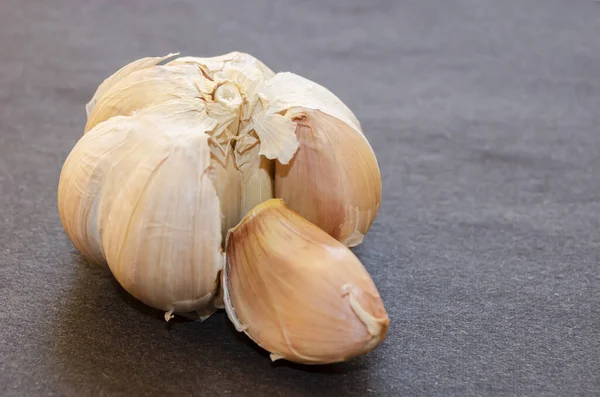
(333, 180)
(297, 292)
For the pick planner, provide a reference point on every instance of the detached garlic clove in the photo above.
(298, 292)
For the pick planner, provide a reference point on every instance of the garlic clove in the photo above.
(147, 87)
(126, 70)
(136, 191)
(326, 169)
(297, 292)
(334, 179)
(80, 187)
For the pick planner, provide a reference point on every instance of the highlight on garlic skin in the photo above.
(297, 292)
(177, 150)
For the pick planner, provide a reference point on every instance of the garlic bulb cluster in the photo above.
(179, 153)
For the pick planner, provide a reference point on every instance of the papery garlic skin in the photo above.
(297, 292)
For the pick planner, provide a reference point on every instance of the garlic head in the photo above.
(177, 150)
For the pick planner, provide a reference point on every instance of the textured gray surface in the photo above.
(485, 118)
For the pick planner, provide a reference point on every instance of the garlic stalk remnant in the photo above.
(298, 292)
(177, 150)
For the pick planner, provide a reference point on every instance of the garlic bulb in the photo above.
(298, 292)
(177, 150)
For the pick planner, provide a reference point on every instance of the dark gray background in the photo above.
(485, 117)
